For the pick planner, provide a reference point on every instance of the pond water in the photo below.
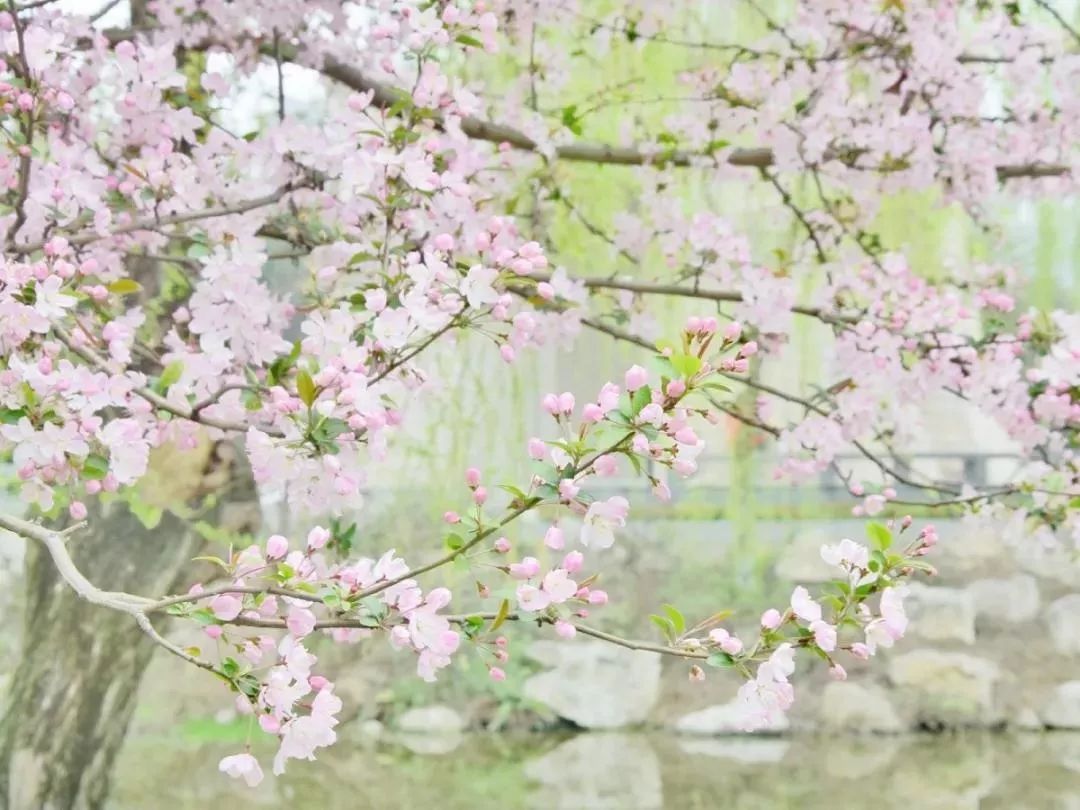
(635, 771)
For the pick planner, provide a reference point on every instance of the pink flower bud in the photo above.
(837, 673)
(214, 631)
(276, 547)
(317, 538)
(226, 606)
(550, 403)
(565, 629)
(472, 477)
(553, 538)
(269, 723)
(566, 402)
(77, 510)
(749, 349)
(860, 650)
(507, 352)
(732, 331)
(318, 682)
(693, 324)
(479, 496)
(598, 597)
(686, 436)
(497, 674)
(526, 569)
(502, 545)
(675, 389)
(451, 517)
(573, 561)
(545, 291)
(592, 412)
(537, 449)
(444, 241)
(635, 378)
(770, 619)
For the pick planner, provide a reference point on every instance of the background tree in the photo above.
(427, 205)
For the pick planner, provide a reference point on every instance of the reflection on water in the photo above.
(627, 770)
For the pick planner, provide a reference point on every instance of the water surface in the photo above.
(636, 771)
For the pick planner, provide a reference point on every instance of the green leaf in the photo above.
(500, 617)
(124, 286)
(665, 625)
(95, 467)
(203, 616)
(715, 386)
(305, 388)
(211, 559)
(10, 416)
(171, 374)
(454, 542)
(676, 617)
(687, 365)
(465, 39)
(148, 514)
(720, 659)
(251, 399)
(879, 535)
(639, 399)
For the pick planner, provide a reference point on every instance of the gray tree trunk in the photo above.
(72, 694)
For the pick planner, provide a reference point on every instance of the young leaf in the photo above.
(665, 625)
(305, 387)
(95, 467)
(500, 617)
(879, 535)
(676, 618)
(639, 399)
(687, 365)
(170, 374)
(124, 286)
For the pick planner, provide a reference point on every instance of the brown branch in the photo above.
(161, 403)
(385, 96)
(26, 128)
(690, 292)
(152, 223)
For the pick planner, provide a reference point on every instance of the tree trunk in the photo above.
(73, 692)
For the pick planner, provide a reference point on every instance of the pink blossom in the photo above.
(553, 538)
(532, 599)
(602, 519)
(300, 621)
(564, 629)
(771, 619)
(276, 547)
(226, 606)
(824, 635)
(636, 377)
(242, 766)
(317, 538)
(803, 606)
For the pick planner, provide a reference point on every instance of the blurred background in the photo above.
(971, 710)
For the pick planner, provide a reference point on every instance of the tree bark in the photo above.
(73, 692)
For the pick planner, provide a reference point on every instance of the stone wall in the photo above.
(994, 642)
(994, 639)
